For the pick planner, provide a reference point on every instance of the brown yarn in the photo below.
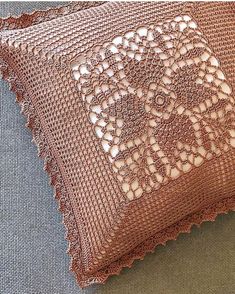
(132, 107)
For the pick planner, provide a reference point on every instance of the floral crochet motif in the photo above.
(159, 102)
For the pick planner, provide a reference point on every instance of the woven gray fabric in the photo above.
(32, 245)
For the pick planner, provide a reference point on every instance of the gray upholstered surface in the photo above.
(33, 257)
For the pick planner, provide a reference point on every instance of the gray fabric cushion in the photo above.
(33, 257)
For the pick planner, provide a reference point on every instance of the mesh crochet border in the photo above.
(33, 122)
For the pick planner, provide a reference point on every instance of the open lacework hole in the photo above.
(159, 102)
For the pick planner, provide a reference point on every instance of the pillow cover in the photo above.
(132, 108)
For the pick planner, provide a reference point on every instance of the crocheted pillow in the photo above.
(132, 107)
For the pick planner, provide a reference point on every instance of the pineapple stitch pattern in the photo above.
(159, 102)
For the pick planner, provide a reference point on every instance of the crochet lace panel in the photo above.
(159, 101)
(131, 106)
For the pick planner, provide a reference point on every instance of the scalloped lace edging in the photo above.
(27, 19)
(170, 233)
(50, 165)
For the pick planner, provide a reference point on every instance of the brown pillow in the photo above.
(132, 108)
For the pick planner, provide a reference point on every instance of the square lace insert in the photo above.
(159, 103)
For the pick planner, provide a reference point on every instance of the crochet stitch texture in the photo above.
(131, 106)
